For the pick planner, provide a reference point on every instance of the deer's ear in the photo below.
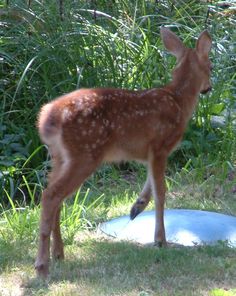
(172, 43)
(204, 42)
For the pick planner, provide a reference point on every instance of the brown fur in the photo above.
(89, 126)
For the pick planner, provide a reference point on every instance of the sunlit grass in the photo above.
(101, 267)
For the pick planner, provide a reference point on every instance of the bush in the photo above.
(48, 49)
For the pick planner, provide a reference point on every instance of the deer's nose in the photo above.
(206, 90)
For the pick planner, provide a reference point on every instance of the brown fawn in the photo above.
(90, 126)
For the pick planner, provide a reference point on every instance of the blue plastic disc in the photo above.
(184, 227)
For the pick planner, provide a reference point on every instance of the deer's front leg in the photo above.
(157, 165)
(142, 201)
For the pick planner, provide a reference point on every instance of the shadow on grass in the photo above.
(112, 268)
(100, 267)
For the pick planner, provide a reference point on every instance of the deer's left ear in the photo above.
(204, 43)
(172, 43)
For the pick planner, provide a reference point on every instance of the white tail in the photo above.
(89, 126)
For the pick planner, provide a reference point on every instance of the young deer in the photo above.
(89, 126)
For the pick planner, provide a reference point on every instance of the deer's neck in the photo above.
(185, 87)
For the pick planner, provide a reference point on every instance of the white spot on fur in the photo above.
(66, 114)
(106, 122)
(79, 105)
(86, 112)
(101, 129)
(164, 98)
(140, 112)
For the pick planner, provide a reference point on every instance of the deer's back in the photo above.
(118, 124)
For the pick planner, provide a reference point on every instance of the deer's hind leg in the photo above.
(65, 178)
(57, 242)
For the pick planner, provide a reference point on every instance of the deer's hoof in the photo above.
(137, 208)
(58, 254)
(134, 212)
(42, 270)
(160, 244)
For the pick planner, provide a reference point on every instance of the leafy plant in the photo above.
(46, 52)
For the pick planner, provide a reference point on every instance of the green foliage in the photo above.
(45, 53)
(222, 292)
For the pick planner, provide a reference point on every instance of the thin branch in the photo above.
(207, 17)
(61, 10)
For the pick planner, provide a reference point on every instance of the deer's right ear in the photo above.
(172, 43)
(204, 42)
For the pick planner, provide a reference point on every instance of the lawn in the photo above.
(97, 265)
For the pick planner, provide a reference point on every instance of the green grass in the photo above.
(42, 57)
(96, 265)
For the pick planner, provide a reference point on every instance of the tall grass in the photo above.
(115, 44)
